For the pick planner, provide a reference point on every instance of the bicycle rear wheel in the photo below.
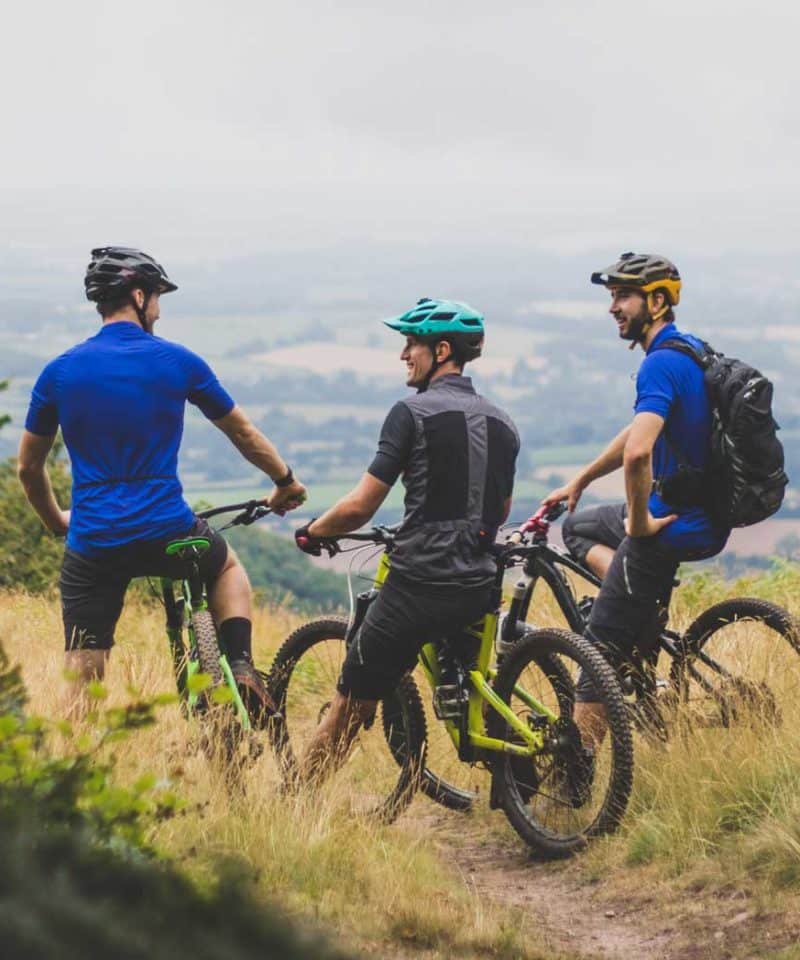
(739, 664)
(222, 733)
(568, 793)
(383, 766)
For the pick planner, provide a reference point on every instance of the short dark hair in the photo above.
(107, 308)
(121, 300)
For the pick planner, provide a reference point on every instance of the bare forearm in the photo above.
(353, 510)
(343, 517)
(638, 483)
(39, 491)
(260, 451)
(608, 461)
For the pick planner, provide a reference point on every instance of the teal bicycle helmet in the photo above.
(432, 321)
(439, 318)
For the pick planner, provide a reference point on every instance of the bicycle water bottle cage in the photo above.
(188, 549)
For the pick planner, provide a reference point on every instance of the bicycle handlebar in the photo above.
(252, 510)
(382, 535)
(539, 523)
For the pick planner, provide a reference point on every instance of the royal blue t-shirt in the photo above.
(671, 384)
(119, 398)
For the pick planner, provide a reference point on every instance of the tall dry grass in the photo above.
(384, 889)
(719, 804)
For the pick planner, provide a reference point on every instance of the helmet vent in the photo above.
(442, 316)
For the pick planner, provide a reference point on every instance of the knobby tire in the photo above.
(540, 649)
(400, 720)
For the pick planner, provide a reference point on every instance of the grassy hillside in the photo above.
(713, 809)
(383, 890)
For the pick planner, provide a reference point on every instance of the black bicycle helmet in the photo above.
(113, 271)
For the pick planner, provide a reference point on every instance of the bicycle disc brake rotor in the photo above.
(573, 766)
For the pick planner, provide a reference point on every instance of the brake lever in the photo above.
(331, 547)
(254, 512)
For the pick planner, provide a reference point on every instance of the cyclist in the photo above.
(636, 547)
(457, 454)
(119, 398)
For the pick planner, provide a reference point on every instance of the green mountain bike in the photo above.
(507, 711)
(230, 714)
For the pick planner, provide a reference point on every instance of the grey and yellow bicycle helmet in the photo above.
(648, 273)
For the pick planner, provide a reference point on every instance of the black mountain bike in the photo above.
(737, 662)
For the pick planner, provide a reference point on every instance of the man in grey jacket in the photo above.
(456, 453)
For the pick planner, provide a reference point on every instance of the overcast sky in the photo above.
(199, 129)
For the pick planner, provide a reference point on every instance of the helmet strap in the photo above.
(654, 317)
(426, 382)
(141, 312)
(434, 366)
(655, 314)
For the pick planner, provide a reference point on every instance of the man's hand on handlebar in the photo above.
(571, 492)
(314, 545)
(283, 499)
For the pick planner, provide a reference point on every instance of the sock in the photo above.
(235, 637)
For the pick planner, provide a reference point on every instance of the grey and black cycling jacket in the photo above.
(457, 453)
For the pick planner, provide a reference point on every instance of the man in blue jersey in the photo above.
(636, 547)
(119, 398)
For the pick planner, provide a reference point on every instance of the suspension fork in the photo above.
(175, 609)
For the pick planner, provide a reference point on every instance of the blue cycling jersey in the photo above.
(119, 398)
(671, 384)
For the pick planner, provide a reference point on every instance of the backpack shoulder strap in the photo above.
(704, 359)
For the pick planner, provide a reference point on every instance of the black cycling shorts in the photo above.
(399, 622)
(93, 588)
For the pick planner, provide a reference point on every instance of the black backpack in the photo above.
(745, 480)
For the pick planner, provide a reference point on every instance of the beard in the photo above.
(636, 325)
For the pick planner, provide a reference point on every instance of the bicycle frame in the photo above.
(544, 562)
(470, 739)
(192, 599)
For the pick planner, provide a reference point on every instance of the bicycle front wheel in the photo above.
(382, 768)
(739, 664)
(574, 788)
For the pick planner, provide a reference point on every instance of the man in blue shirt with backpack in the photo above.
(119, 398)
(665, 451)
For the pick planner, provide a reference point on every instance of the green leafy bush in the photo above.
(79, 878)
(30, 556)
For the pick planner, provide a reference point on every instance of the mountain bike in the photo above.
(736, 661)
(229, 713)
(509, 712)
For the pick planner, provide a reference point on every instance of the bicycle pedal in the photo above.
(448, 701)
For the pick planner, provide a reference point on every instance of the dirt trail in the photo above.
(603, 920)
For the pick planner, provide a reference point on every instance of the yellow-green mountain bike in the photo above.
(506, 710)
(231, 713)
